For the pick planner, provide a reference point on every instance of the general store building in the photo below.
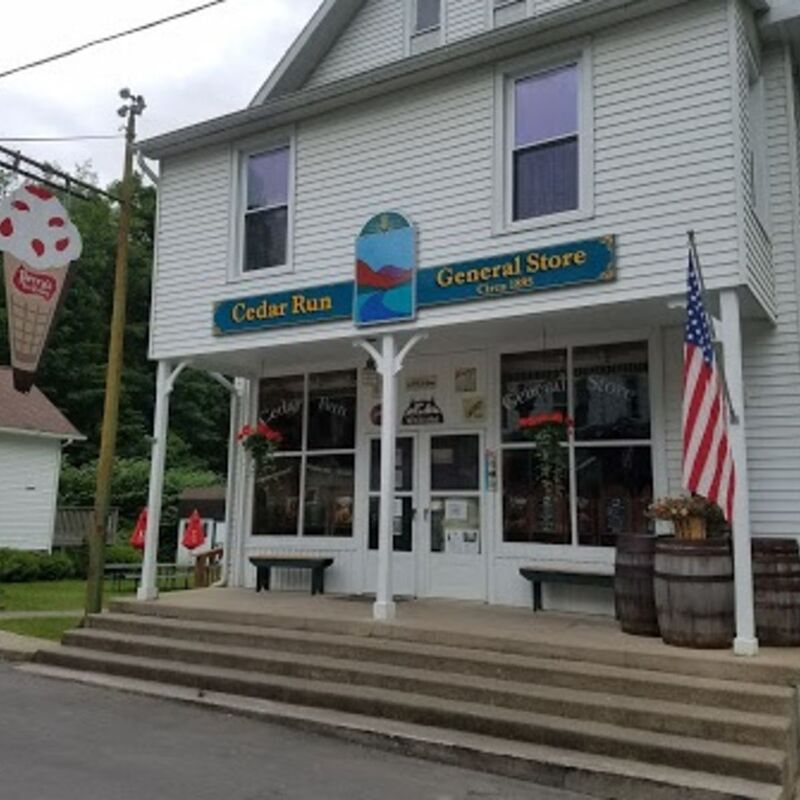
(575, 140)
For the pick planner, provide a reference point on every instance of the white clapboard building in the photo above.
(32, 434)
(524, 174)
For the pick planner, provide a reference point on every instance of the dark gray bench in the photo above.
(539, 575)
(317, 565)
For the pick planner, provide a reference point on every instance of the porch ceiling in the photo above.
(466, 334)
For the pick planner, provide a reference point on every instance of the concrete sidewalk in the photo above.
(14, 647)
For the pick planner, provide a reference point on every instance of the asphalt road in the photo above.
(65, 741)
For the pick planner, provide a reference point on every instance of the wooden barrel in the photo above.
(776, 585)
(693, 581)
(634, 596)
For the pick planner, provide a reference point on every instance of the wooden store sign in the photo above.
(522, 272)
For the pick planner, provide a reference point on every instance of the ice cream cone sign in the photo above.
(38, 242)
(194, 535)
(137, 537)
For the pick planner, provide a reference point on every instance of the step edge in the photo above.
(776, 691)
(677, 743)
(712, 714)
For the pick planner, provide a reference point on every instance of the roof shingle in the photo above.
(32, 412)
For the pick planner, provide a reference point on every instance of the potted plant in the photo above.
(548, 431)
(261, 442)
(693, 578)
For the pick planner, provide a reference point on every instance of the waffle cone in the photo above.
(32, 300)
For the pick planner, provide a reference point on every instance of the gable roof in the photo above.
(308, 49)
(322, 31)
(31, 413)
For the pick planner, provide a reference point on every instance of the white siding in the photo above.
(428, 152)
(376, 36)
(466, 18)
(757, 249)
(772, 353)
(29, 468)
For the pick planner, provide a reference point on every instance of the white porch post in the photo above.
(388, 363)
(231, 516)
(384, 607)
(147, 588)
(245, 484)
(745, 643)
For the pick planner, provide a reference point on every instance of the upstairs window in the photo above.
(266, 217)
(504, 12)
(425, 25)
(427, 15)
(756, 147)
(545, 152)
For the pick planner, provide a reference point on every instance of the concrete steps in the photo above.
(660, 716)
(732, 738)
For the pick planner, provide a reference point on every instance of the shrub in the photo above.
(122, 553)
(18, 566)
(55, 567)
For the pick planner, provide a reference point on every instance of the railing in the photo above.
(207, 568)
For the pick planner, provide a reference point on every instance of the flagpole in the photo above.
(710, 322)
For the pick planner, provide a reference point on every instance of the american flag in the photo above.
(708, 468)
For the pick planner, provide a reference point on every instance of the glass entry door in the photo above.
(404, 578)
(453, 516)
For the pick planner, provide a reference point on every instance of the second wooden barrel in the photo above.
(634, 595)
(776, 585)
(693, 581)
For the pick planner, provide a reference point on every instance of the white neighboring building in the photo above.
(32, 434)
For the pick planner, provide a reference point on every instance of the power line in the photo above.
(112, 37)
(77, 138)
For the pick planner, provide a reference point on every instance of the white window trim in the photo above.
(502, 201)
(758, 144)
(410, 33)
(238, 205)
(530, 9)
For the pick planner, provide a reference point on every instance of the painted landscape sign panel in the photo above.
(388, 288)
(385, 267)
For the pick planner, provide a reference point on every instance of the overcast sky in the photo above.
(188, 70)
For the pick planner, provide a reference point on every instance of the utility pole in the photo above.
(133, 107)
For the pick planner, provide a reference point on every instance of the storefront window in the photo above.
(532, 383)
(602, 481)
(329, 495)
(332, 411)
(316, 416)
(280, 405)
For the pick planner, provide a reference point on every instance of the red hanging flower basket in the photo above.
(261, 442)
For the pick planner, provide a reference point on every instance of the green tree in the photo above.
(73, 368)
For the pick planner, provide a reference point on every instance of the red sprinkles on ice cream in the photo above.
(7, 227)
(38, 247)
(39, 191)
(21, 205)
(56, 222)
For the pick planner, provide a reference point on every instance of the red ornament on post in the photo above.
(194, 535)
(137, 538)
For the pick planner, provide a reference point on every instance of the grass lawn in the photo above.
(48, 595)
(40, 627)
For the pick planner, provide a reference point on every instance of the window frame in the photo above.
(240, 157)
(757, 164)
(412, 34)
(656, 443)
(506, 77)
(304, 453)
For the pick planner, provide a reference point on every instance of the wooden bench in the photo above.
(316, 564)
(539, 575)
